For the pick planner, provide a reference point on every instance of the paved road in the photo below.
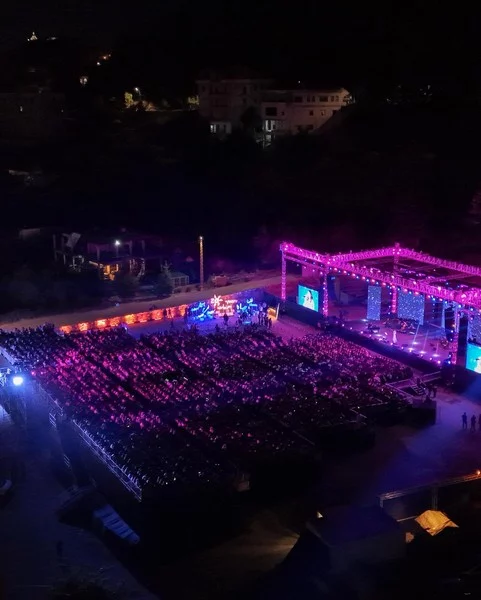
(142, 305)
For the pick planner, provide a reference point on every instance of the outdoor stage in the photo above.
(426, 306)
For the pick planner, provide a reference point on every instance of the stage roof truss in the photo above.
(351, 264)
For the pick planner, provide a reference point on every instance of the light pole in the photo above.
(201, 257)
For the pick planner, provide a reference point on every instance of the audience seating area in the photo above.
(180, 409)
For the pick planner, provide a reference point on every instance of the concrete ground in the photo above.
(30, 531)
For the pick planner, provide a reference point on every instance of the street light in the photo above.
(17, 380)
(201, 257)
(117, 245)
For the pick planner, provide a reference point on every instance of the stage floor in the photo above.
(424, 343)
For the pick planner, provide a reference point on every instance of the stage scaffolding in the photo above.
(464, 300)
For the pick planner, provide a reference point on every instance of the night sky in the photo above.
(354, 41)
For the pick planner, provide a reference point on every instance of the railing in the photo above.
(131, 486)
(434, 486)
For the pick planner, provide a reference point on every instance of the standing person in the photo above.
(479, 422)
(473, 423)
(465, 420)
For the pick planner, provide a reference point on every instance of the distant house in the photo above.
(109, 252)
(225, 96)
(299, 110)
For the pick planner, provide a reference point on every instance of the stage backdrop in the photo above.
(374, 302)
(474, 328)
(411, 306)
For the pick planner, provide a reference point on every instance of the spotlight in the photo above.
(17, 380)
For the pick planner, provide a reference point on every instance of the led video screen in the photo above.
(473, 358)
(411, 306)
(308, 298)
(373, 303)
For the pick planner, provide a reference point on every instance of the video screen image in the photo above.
(373, 303)
(308, 298)
(473, 358)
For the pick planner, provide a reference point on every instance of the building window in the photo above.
(332, 98)
(323, 98)
(311, 113)
(271, 111)
(297, 98)
(337, 98)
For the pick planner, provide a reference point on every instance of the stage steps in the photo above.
(111, 521)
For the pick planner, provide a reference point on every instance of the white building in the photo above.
(225, 97)
(295, 111)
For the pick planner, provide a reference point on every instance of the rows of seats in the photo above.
(179, 408)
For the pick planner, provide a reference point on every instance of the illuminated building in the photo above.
(225, 97)
(109, 253)
(295, 111)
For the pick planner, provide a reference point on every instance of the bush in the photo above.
(126, 285)
(164, 285)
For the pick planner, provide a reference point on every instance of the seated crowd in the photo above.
(178, 408)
